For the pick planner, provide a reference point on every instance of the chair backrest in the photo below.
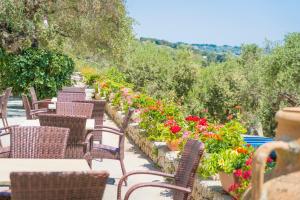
(74, 89)
(33, 96)
(187, 167)
(26, 106)
(38, 142)
(5, 101)
(74, 108)
(76, 124)
(126, 120)
(98, 110)
(58, 185)
(70, 96)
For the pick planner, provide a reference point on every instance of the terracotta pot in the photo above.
(227, 180)
(173, 145)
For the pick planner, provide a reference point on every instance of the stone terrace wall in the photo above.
(166, 159)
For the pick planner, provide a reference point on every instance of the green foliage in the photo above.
(161, 71)
(96, 28)
(46, 71)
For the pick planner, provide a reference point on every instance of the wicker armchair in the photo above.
(35, 104)
(184, 176)
(74, 89)
(102, 151)
(4, 150)
(3, 106)
(58, 185)
(70, 96)
(74, 108)
(78, 144)
(98, 116)
(31, 113)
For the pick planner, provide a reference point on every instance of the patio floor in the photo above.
(134, 160)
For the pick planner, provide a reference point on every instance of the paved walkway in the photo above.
(134, 160)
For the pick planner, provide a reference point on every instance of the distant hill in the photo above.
(202, 47)
(212, 52)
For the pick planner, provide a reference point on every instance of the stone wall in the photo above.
(166, 159)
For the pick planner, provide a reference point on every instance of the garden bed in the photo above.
(166, 159)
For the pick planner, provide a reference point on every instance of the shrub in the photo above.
(46, 71)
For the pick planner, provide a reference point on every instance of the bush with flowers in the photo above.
(163, 120)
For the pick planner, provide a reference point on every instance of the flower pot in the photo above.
(173, 145)
(227, 180)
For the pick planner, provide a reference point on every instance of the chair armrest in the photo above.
(108, 127)
(42, 101)
(108, 131)
(88, 142)
(158, 185)
(123, 178)
(43, 110)
(6, 128)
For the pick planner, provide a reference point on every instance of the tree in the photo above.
(95, 26)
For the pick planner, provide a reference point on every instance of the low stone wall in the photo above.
(166, 159)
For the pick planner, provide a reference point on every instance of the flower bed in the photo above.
(161, 121)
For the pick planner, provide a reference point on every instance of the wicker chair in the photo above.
(74, 108)
(31, 113)
(74, 89)
(35, 104)
(58, 185)
(102, 151)
(98, 116)
(70, 96)
(184, 176)
(4, 150)
(78, 144)
(3, 106)
(38, 142)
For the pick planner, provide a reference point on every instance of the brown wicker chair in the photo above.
(38, 142)
(98, 116)
(184, 176)
(102, 151)
(78, 144)
(35, 104)
(70, 96)
(74, 108)
(3, 106)
(74, 89)
(31, 113)
(58, 185)
(5, 150)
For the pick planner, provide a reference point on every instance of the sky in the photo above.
(230, 22)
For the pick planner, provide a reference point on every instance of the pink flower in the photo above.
(201, 128)
(175, 129)
(247, 174)
(185, 134)
(269, 160)
(238, 173)
(249, 161)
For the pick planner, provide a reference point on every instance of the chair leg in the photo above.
(6, 122)
(123, 170)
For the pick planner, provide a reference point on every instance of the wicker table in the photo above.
(38, 165)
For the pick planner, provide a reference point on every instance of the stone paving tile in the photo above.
(134, 160)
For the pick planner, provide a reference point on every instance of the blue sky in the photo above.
(231, 22)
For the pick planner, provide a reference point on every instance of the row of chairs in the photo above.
(63, 135)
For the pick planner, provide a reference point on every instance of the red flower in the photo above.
(249, 161)
(175, 129)
(192, 118)
(202, 122)
(248, 145)
(269, 160)
(247, 174)
(238, 173)
(233, 187)
(170, 122)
